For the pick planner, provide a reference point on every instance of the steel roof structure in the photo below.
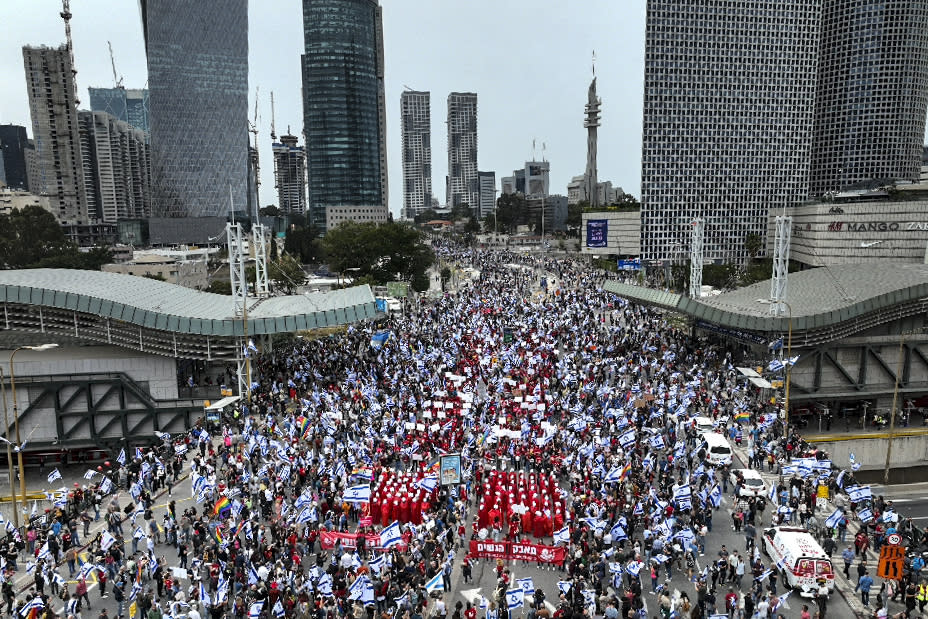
(154, 316)
(826, 303)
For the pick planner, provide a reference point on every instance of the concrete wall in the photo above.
(908, 452)
(156, 374)
(623, 235)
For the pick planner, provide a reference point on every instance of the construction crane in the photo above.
(116, 80)
(273, 132)
(66, 16)
(253, 128)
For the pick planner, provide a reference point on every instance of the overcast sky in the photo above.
(528, 62)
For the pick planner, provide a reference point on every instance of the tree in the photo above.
(472, 226)
(511, 212)
(752, 244)
(384, 251)
(445, 276)
(274, 254)
(575, 214)
(270, 210)
(30, 235)
(426, 216)
(304, 244)
(460, 211)
(220, 286)
(287, 273)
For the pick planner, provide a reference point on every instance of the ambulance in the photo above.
(801, 560)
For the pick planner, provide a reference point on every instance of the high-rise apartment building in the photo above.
(13, 144)
(872, 93)
(462, 186)
(53, 106)
(198, 118)
(729, 94)
(290, 174)
(417, 152)
(486, 181)
(116, 168)
(344, 115)
(129, 105)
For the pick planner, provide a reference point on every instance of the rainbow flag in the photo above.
(220, 538)
(742, 415)
(483, 437)
(364, 472)
(625, 471)
(238, 529)
(223, 507)
(304, 427)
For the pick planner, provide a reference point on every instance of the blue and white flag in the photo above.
(562, 536)
(121, 458)
(428, 483)
(357, 494)
(356, 588)
(35, 603)
(89, 474)
(858, 493)
(54, 475)
(618, 533)
(515, 598)
(527, 585)
(634, 567)
(378, 563)
(106, 540)
(379, 339)
(865, 515)
(391, 535)
(832, 521)
(564, 586)
(435, 584)
(614, 476)
(775, 345)
(775, 366)
(278, 610)
(715, 496)
(254, 611)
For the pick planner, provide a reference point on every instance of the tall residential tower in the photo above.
(462, 186)
(53, 106)
(344, 116)
(417, 152)
(198, 90)
(290, 174)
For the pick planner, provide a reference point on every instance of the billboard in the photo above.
(633, 264)
(597, 232)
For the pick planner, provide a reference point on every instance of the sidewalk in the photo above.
(843, 586)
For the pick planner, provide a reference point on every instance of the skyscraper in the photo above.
(462, 186)
(729, 92)
(290, 175)
(53, 106)
(129, 105)
(13, 143)
(417, 152)
(344, 117)
(198, 84)
(487, 184)
(116, 169)
(872, 93)
(591, 122)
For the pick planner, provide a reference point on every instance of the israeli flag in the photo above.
(627, 439)
(121, 458)
(614, 476)
(634, 567)
(775, 366)
(564, 586)
(278, 609)
(357, 494)
(858, 493)
(356, 588)
(391, 536)
(865, 515)
(325, 584)
(715, 496)
(562, 536)
(428, 483)
(377, 564)
(54, 475)
(832, 521)
(514, 598)
(435, 584)
(254, 611)
(106, 540)
(527, 585)
(618, 533)
(89, 474)
(775, 345)
(773, 493)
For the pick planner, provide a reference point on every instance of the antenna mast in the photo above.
(66, 16)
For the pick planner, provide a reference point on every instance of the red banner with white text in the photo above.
(349, 540)
(516, 551)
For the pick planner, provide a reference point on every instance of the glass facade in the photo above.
(13, 142)
(129, 106)
(198, 90)
(343, 119)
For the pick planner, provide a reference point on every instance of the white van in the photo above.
(703, 425)
(718, 451)
(802, 561)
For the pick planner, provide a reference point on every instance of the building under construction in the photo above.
(290, 174)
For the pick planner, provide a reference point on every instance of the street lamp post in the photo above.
(892, 414)
(789, 353)
(19, 443)
(9, 451)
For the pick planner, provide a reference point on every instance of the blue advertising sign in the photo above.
(597, 232)
(630, 265)
(381, 305)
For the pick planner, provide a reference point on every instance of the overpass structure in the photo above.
(113, 380)
(857, 328)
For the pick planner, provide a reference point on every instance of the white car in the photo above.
(754, 484)
(703, 425)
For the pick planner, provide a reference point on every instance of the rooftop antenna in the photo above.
(116, 80)
(273, 132)
(66, 16)
(594, 63)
